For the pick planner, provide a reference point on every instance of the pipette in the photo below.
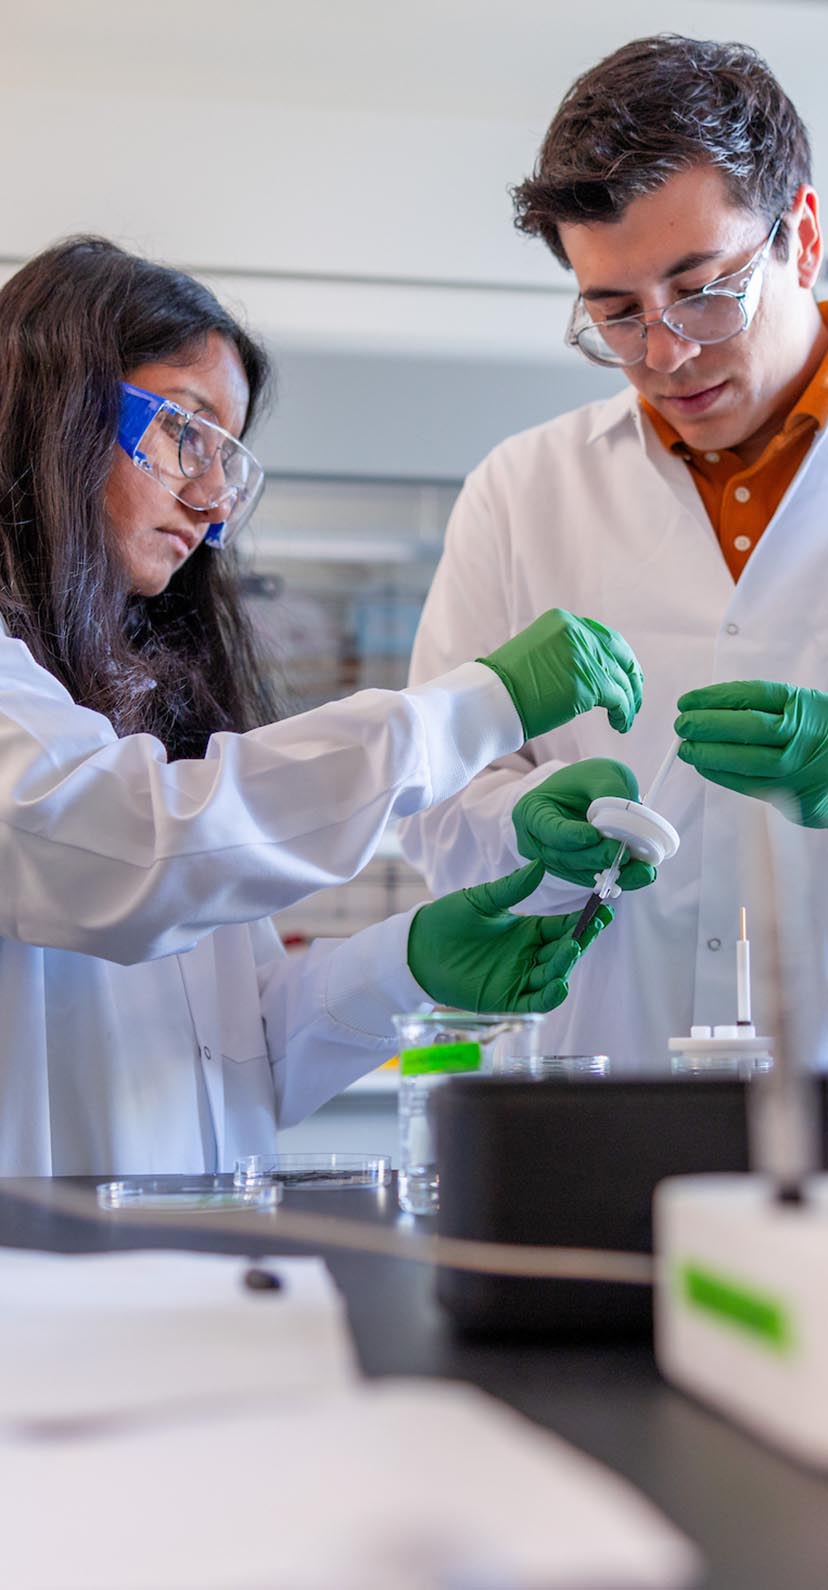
(605, 881)
(743, 1017)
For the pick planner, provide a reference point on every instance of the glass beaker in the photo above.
(433, 1045)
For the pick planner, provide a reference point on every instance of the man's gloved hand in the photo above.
(762, 739)
(561, 666)
(468, 951)
(551, 826)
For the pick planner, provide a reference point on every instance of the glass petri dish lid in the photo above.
(313, 1170)
(187, 1194)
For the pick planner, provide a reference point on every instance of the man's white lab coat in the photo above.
(149, 1018)
(591, 513)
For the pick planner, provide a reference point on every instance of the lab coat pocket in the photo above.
(240, 1023)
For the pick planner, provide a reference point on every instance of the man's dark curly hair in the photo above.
(655, 107)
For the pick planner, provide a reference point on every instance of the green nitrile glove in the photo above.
(468, 951)
(551, 826)
(561, 666)
(762, 739)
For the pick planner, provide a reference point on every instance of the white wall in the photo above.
(263, 187)
(341, 168)
(356, 139)
(410, 416)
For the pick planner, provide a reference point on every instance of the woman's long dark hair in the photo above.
(181, 665)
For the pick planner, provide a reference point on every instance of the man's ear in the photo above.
(806, 236)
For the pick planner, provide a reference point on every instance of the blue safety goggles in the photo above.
(195, 460)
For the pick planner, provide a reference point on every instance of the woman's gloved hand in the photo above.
(551, 826)
(561, 666)
(467, 950)
(762, 739)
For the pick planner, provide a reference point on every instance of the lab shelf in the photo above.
(335, 573)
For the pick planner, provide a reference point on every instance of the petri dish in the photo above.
(183, 1195)
(313, 1170)
(573, 1066)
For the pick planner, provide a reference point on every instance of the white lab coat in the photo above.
(149, 1018)
(591, 513)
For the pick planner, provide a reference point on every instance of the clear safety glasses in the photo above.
(196, 461)
(716, 313)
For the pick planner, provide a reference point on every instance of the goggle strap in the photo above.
(137, 412)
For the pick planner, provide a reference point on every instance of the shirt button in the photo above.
(732, 629)
(712, 458)
(206, 1053)
(742, 494)
(742, 543)
(714, 944)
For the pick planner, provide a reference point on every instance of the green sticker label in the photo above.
(440, 1057)
(760, 1315)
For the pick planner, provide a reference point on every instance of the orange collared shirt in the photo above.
(741, 501)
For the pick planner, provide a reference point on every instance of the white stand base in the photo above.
(740, 1055)
(741, 1304)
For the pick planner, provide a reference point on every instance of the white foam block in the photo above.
(742, 1304)
(103, 1335)
(404, 1485)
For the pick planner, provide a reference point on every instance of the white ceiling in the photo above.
(506, 59)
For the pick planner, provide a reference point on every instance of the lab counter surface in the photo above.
(761, 1522)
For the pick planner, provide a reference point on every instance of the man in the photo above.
(688, 512)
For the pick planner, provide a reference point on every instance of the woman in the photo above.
(148, 827)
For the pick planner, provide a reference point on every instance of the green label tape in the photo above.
(761, 1316)
(440, 1057)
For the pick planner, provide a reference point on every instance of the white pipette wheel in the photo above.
(647, 835)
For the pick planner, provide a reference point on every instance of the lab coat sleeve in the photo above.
(470, 837)
(327, 1012)
(108, 849)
